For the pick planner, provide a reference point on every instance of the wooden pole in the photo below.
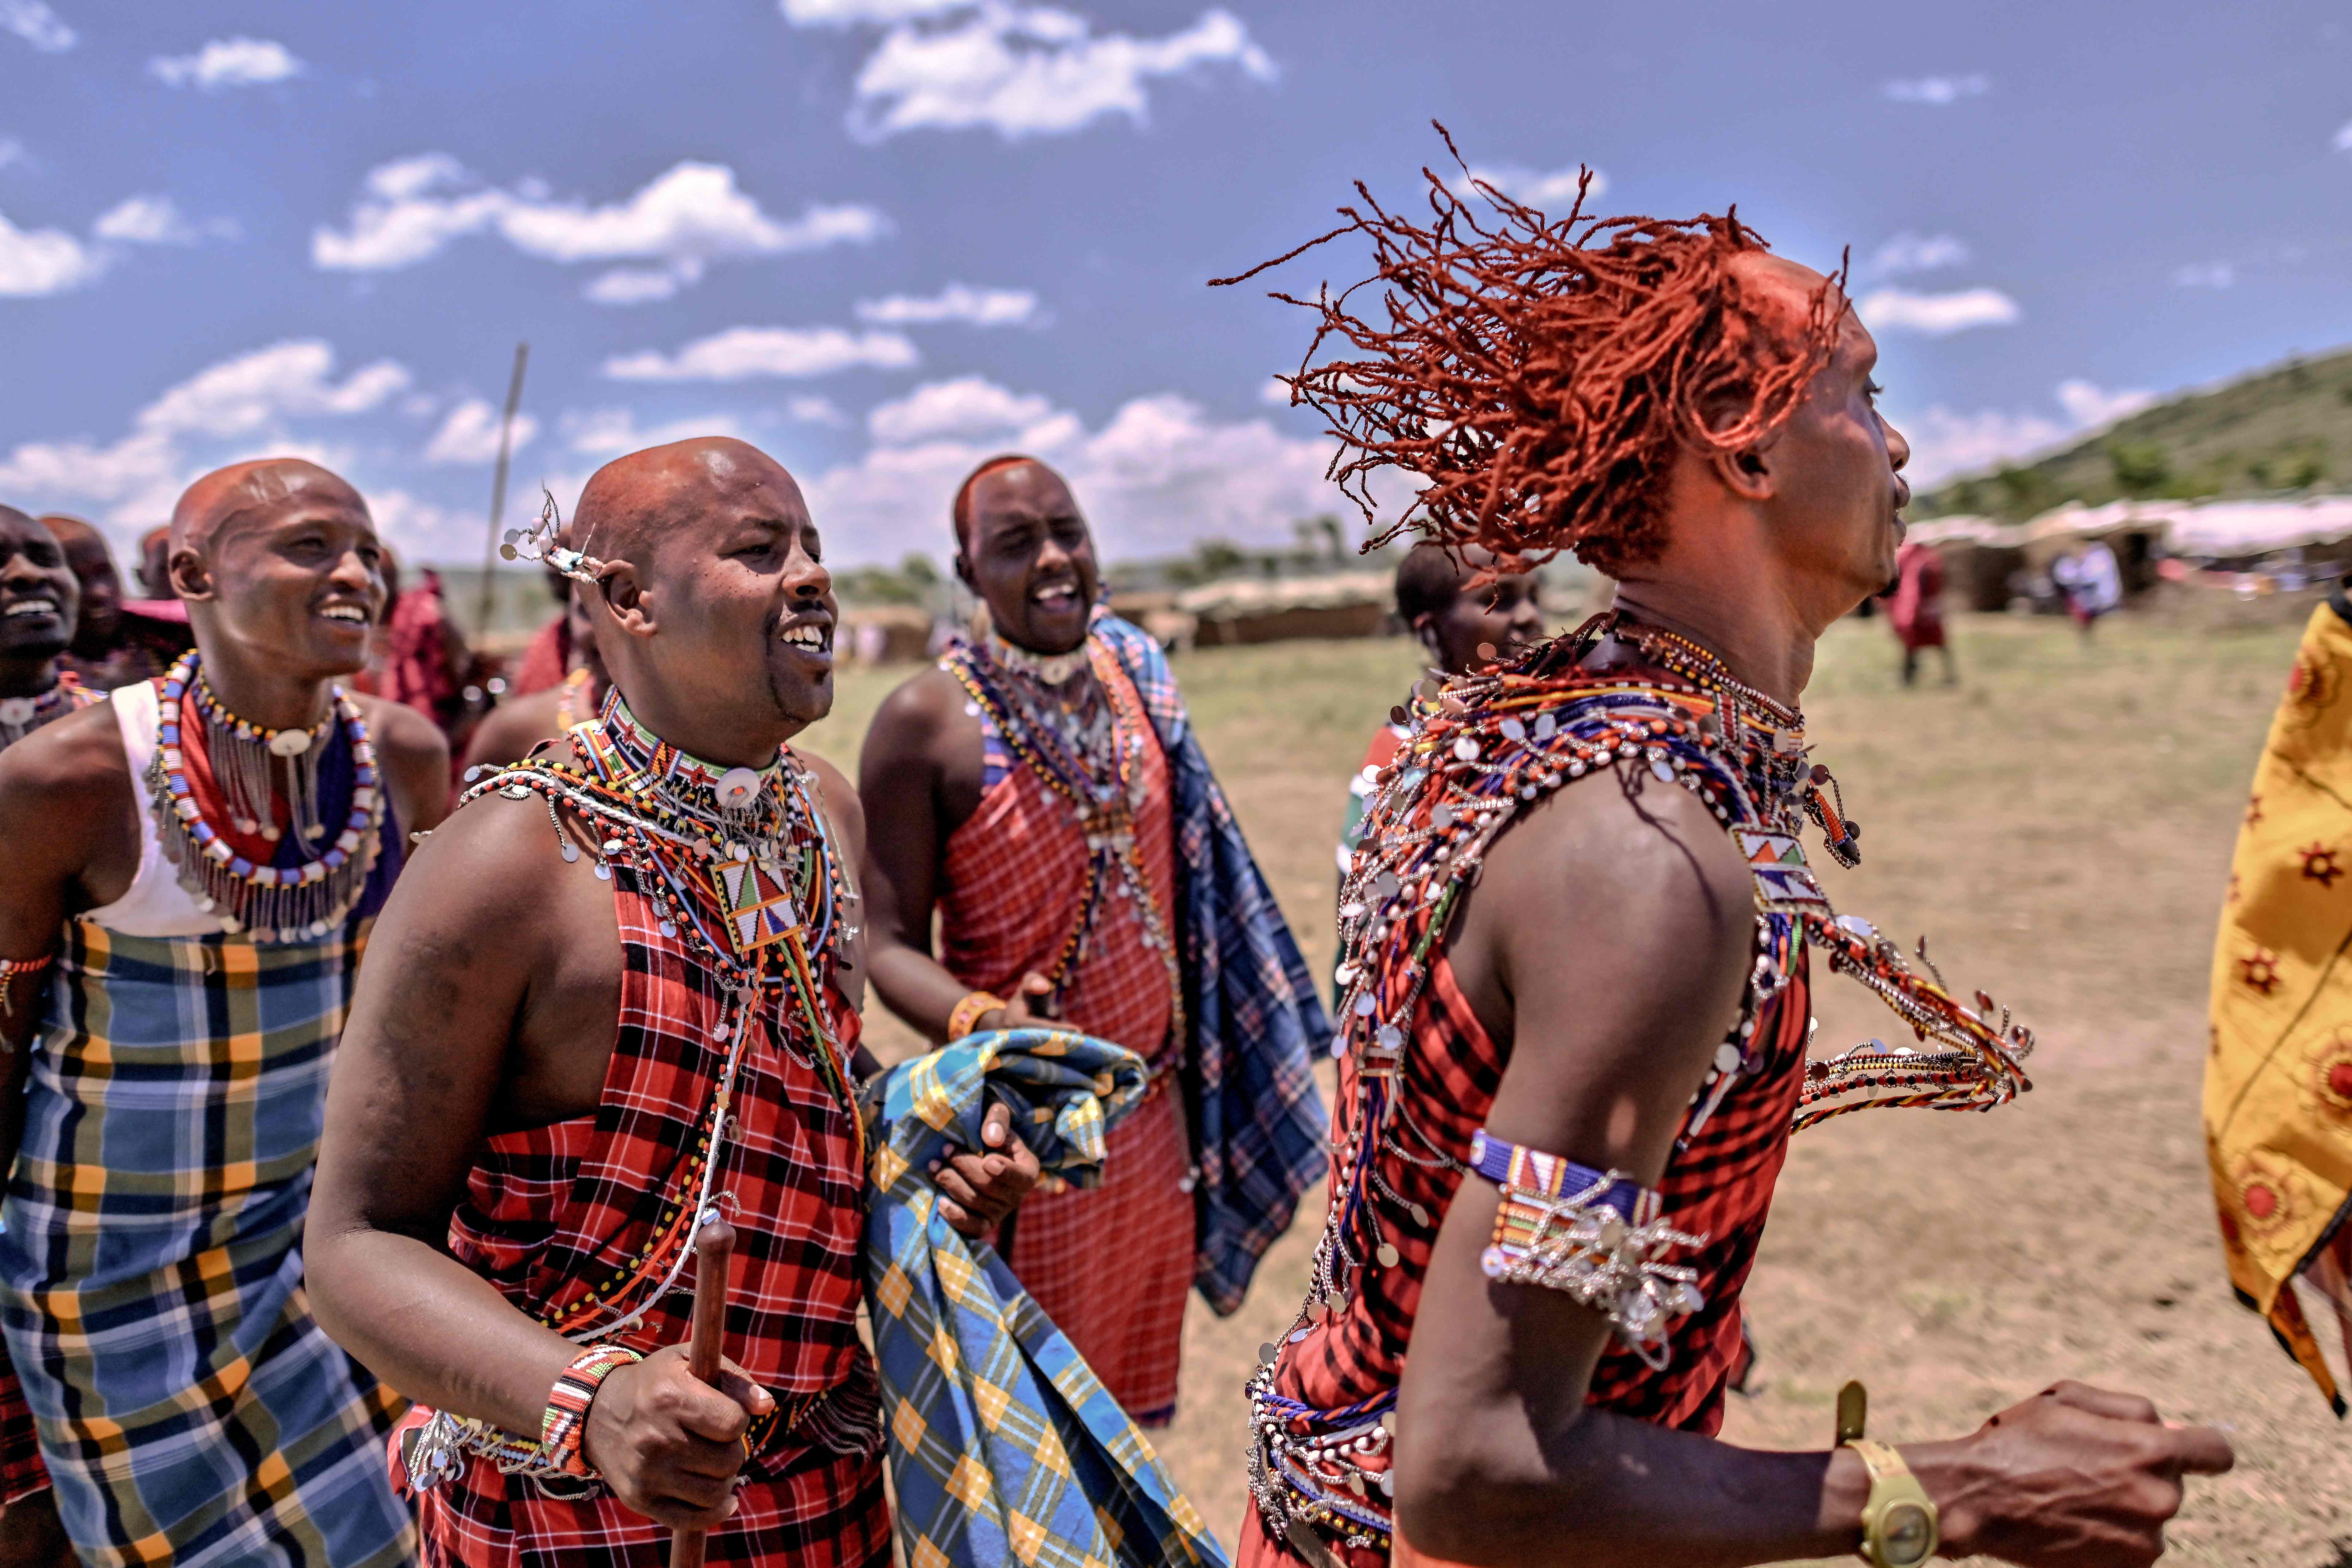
(499, 493)
(714, 1255)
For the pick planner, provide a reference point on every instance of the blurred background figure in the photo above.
(2088, 576)
(1915, 609)
(1452, 623)
(119, 641)
(548, 658)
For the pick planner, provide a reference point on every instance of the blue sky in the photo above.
(882, 238)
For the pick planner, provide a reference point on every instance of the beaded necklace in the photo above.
(274, 903)
(1096, 769)
(246, 770)
(20, 716)
(739, 862)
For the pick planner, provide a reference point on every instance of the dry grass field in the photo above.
(2060, 823)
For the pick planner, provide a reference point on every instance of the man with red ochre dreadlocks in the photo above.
(1578, 938)
(1041, 788)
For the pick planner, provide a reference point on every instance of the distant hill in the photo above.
(2287, 427)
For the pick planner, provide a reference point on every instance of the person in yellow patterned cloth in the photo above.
(2278, 1082)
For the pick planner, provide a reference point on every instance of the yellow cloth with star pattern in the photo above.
(2278, 1078)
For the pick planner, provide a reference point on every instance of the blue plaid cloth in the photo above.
(1258, 1126)
(191, 1410)
(1004, 1447)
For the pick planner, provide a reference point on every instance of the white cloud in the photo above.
(2089, 405)
(639, 285)
(227, 63)
(1908, 252)
(37, 25)
(811, 409)
(469, 433)
(44, 262)
(1938, 315)
(956, 302)
(2205, 275)
(1158, 476)
(146, 220)
(420, 531)
(12, 153)
(692, 214)
(604, 433)
(244, 401)
(2344, 138)
(741, 351)
(1938, 90)
(1945, 442)
(1553, 190)
(1018, 71)
(1275, 394)
(970, 405)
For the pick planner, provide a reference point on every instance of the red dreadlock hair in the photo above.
(1539, 377)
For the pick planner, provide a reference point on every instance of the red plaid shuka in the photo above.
(552, 1213)
(21, 1471)
(1718, 1182)
(1014, 877)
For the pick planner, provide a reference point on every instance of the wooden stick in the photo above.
(714, 1254)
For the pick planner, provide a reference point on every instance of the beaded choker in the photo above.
(204, 830)
(20, 716)
(1050, 669)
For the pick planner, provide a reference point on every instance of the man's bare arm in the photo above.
(422, 1059)
(61, 790)
(1613, 934)
(414, 757)
(899, 777)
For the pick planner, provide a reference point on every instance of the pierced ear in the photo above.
(626, 599)
(963, 572)
(188, 576)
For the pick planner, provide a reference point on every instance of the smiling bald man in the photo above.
(620, 989)
(191, 872)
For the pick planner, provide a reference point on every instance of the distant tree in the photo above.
(1218, 558)
(916, 568)
(2141, 468)
(2020, 493)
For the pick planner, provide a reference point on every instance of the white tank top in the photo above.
(155, 904)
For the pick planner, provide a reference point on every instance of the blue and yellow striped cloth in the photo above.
(1004, 1447)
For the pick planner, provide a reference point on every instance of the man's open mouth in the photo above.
(1053, 596)
(350, 613)
(26, 610)
(813, 637)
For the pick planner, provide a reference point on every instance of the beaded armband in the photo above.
(967, 1015)
(1595, 1234)
(565, 1423)
(12, 967)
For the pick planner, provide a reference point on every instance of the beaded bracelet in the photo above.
(565, 1422)
(968, 1011)
(12, 967)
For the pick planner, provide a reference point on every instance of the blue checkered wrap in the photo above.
(1004, 1447)
(1258, 1126)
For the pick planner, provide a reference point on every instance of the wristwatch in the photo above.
(1898, 1520)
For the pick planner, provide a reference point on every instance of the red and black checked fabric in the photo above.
(552, 1212)
(1015, 874)
(21, 1471)
(1718, 1182)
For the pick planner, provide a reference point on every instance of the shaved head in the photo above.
(632, 504)
(229, 495)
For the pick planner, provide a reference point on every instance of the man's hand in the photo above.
(668, 1444)
(2074, 1478)
(978, 1189)
(1027, 1008)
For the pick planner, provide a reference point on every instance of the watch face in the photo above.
(1906, 1535)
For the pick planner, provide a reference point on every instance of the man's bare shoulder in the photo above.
(66, 762)
(403, 737)
(1623, 862)
(840, 796)
(918, 710)
(494, 859)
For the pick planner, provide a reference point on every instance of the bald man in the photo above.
(38, 603)
(191, 874)
(117, 642)
(580, 1030)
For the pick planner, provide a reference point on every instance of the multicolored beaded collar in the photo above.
(274, 903)
(20, 716)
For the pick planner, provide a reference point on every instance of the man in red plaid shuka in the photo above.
(620, 1002)
(1025, 790)
(1577, 938)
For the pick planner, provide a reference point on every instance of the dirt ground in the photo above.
(2060, 823)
